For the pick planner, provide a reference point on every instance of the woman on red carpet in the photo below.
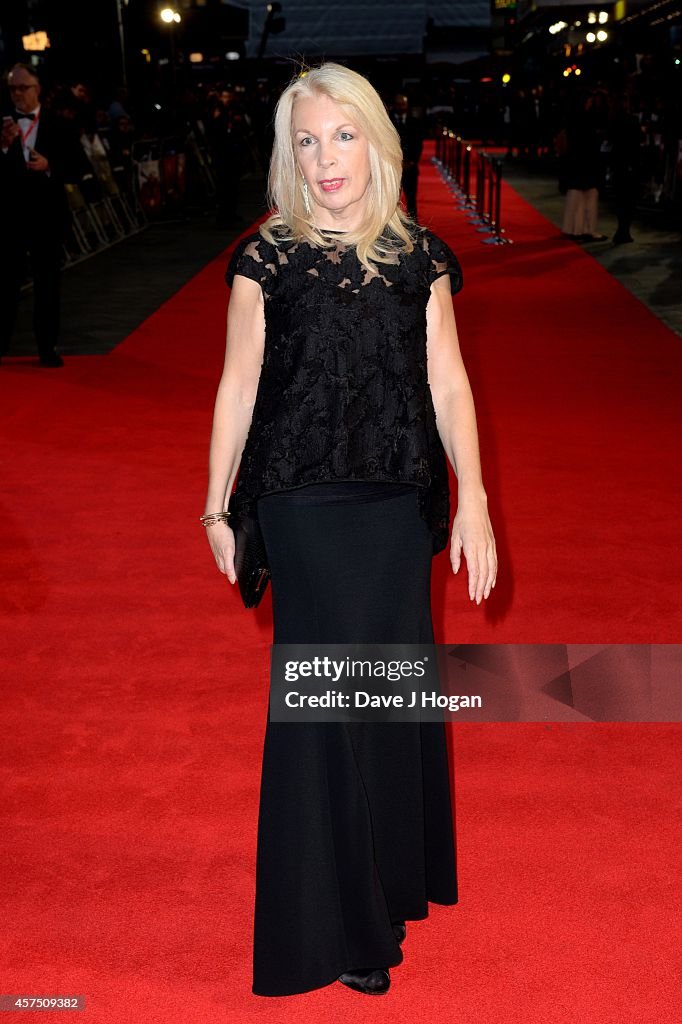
(340, 436)
(581, 172)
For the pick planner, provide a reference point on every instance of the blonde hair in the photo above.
(386, 225)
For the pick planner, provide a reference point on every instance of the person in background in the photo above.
(226, 130)
(119, 106)
(625, 135)
(261, 110)
(102, 122)
(120, 149)
(75, 164)
(580, 175)
(411, 132)
(34, 212)
(83, 105)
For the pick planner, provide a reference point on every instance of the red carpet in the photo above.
(135, 683)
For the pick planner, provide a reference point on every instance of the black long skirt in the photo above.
(355, 825)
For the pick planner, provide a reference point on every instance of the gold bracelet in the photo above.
(215, 517)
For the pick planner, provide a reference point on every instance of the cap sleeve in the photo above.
(253, 257)
(441, 260)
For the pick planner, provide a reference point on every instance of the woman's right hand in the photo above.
(221, 539)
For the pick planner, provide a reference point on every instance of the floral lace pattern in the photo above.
(343, 392)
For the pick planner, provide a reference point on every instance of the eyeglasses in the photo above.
(21, 88)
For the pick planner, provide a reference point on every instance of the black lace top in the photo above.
(343, 391)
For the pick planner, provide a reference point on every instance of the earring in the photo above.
(306, 201)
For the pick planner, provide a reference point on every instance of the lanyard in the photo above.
(32, 125)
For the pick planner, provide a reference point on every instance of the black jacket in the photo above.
(411, 136)
(34, 200)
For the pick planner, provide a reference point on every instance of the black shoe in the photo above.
(573, 238)
(622, 239)
(399, 930)
(373, 981)
(593, 238)
(51, 359)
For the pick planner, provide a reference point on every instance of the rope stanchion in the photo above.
(454, 158)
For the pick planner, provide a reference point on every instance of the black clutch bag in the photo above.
(250, 557)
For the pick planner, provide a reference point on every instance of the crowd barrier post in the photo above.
(482, 203)
(496, 231)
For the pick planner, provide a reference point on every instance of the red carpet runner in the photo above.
(135, 683)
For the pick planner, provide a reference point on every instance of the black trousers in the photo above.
(44, 251)
(355, 826)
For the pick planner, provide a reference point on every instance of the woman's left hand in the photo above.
(472, 535)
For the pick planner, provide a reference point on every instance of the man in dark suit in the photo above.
(411, 132)
(226, 133)
(34, 212)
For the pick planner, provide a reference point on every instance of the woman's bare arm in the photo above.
(233, 410)
(456, 421)
(237, 389)
(450, 389)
